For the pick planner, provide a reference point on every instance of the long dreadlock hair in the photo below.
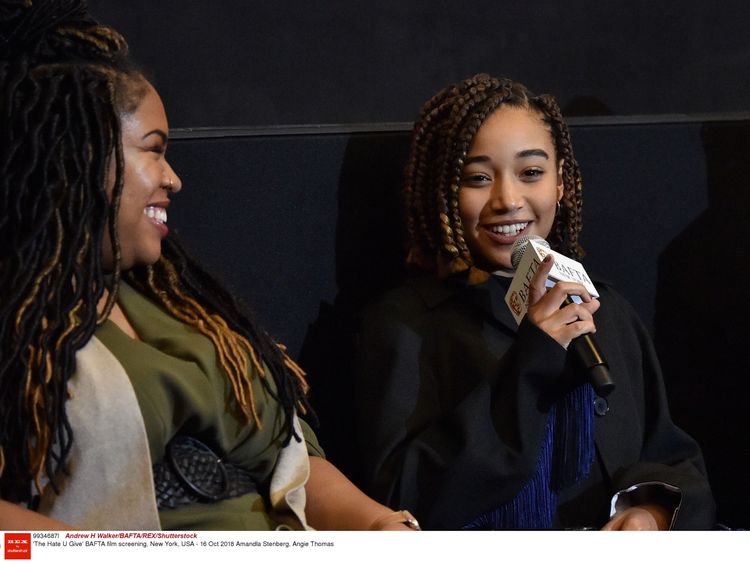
(65, 83)
(185, 289)
(441, 139)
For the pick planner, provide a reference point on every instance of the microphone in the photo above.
(526, 256)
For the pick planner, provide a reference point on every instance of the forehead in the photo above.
(515, 128)
(148, 115)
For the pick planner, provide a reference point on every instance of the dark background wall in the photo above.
(305, 227)
(313, 215)
(244, 63)
(303, 222)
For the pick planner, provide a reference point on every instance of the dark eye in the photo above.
(475, 179)
(532, 173)
(158, 149)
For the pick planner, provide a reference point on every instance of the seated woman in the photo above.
(134, 392)
(473, 421)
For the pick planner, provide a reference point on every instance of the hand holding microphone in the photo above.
(564, 278)
(547, 306)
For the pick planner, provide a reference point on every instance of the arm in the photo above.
(13, 517)
(670, 462)
(451, 411)
(666, 453)
(334, 503)
(649, 513)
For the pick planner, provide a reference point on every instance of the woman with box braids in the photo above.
(472, 420)
(87, 259)
(442, 137)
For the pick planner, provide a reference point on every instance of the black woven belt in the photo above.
(191, 472)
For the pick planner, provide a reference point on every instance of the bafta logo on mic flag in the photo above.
(563, 269)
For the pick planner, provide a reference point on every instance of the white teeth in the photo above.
(511, 230)
(159, 214)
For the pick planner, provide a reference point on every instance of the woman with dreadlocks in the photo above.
(473, 421)
(134, 392)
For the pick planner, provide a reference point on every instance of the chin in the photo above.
(142, 260)
(150, 261)
(494, 264)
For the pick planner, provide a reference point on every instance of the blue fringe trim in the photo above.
(565, 458)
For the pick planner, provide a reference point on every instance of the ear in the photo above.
(560, 182)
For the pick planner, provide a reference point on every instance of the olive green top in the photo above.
(182, 390)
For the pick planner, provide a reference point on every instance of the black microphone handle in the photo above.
(588, 353)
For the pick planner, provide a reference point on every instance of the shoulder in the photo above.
(96, 357)
(612, 300)
(617, 317)
(415, 297)
(409, 313)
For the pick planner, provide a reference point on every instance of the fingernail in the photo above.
(547, 258)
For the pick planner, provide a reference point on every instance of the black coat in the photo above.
(452, 400)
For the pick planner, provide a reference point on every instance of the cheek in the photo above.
(469, 206)
(546, 211)
(134, 197)
(549, 208)
(139, 185)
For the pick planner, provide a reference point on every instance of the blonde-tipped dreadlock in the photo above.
(441, 139)
(195, 297)
(233, 349)
(63, 79)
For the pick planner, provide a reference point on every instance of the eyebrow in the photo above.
(473, 159)
(532, 152)
(159, 132)
(521, 154)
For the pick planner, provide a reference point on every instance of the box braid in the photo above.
(441, 139)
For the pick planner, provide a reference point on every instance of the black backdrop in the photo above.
(253, 62)
(303, 223)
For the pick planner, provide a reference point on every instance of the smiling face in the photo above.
(148, 180)
(510, 185)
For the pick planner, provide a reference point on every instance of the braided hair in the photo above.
(441, 139)
(65, 83)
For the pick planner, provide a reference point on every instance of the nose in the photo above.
(505, 195)
(173, 183)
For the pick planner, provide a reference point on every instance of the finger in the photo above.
(580, 320)
(640, 519)
(576, 312)
(612, 525)
(632, 519)
(574, 330)
(549, 305)
(572, 288)
(635, 524)
(592, 306)
(537, 287)
(556, 326)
